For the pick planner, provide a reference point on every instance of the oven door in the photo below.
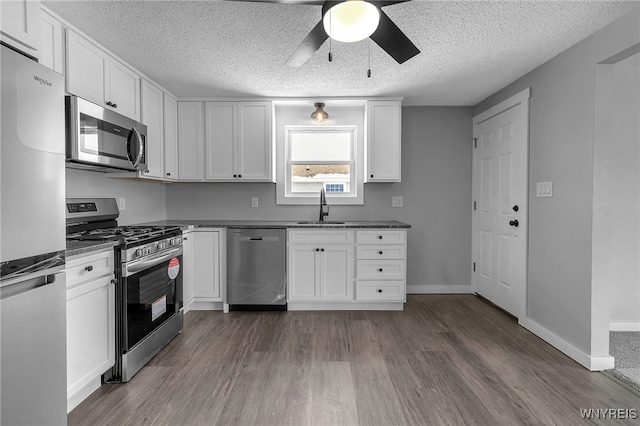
(152, 293)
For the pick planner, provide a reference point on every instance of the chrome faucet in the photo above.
(324, 207)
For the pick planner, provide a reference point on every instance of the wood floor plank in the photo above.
(444, 360)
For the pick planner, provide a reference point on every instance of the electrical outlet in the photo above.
(122, 204)
(254, 202)
(397, 201)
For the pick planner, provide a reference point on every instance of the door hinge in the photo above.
(475, 142)
(474, 266)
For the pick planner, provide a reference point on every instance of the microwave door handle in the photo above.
(138, 159)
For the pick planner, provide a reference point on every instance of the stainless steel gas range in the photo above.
(149, 300)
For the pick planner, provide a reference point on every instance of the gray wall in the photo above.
(145, 200)
(436, 186)
(561, 151)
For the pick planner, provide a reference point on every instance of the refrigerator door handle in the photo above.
(26, 286)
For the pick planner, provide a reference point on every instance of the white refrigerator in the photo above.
(32, 234)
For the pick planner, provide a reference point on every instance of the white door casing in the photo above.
(500, 203)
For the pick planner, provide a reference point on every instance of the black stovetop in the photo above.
(129, 235)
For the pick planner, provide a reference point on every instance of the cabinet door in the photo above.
(336, 267)
(86, 69)
(188, 276)
(220, 133)
(20, 26)
(123, 90)
(302, 272)
(190, 141)
(206, 248)
(170, 137)
(51, 50)
(383, 141)
(254, 150)
(152, 117)
(90, 332)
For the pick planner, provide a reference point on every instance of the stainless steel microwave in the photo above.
(101, 139)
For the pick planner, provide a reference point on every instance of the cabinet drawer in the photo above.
(85, 268)
(380, 290)
(380, 269)
(380, 252)
(320, 237)
(382, 236)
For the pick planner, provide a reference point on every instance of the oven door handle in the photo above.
(141, 265)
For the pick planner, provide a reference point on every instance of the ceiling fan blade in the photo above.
(393, 41)
(383, 3)
(308, 47)
(304, 2)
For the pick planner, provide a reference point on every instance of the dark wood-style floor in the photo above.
(452, 360)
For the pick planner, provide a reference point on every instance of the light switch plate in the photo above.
(397, 201)
(122, 203)
(544, 189)
(254, 202)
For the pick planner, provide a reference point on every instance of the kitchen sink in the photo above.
(318, 222)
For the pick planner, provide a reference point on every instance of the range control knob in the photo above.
(161, 245)
(139, 252)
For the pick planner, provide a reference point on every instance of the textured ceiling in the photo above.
(469, 50)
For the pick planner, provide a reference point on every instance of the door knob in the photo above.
(515, 208)
(514, 223)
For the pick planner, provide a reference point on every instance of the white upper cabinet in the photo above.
(221, 134)
(94, 75)
(170, 137)
(190, 141)
(153, 118)
(20, 25)
(51, 43)
(239, 141)
(383, 145)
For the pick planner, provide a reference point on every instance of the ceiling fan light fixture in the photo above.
(319, 115)
(351, 20)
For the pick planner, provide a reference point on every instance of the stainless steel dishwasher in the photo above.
(256, 269)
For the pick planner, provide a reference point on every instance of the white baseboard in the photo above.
(345, 306)
(81, 394)
(624, 326)
(439, 289)
(593, 363)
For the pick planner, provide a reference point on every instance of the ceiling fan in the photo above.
(385, 33)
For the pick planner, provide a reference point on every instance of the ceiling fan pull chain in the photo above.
(330, 44)
(369, 70)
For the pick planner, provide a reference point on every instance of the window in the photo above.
(317, 158)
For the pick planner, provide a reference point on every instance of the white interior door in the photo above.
(500, 164)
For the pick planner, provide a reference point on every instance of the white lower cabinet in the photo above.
(204, 268)
(346, 269)
(381, 265)
(90, 323)
(321, 268)
(320, 272)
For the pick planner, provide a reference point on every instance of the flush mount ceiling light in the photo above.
(319, 115)
(351, 20)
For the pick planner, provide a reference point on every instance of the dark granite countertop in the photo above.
(75, 248)
(282, 224)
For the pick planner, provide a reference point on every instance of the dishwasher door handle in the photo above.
(257, 238)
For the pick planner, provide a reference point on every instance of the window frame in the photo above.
(284, 193)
